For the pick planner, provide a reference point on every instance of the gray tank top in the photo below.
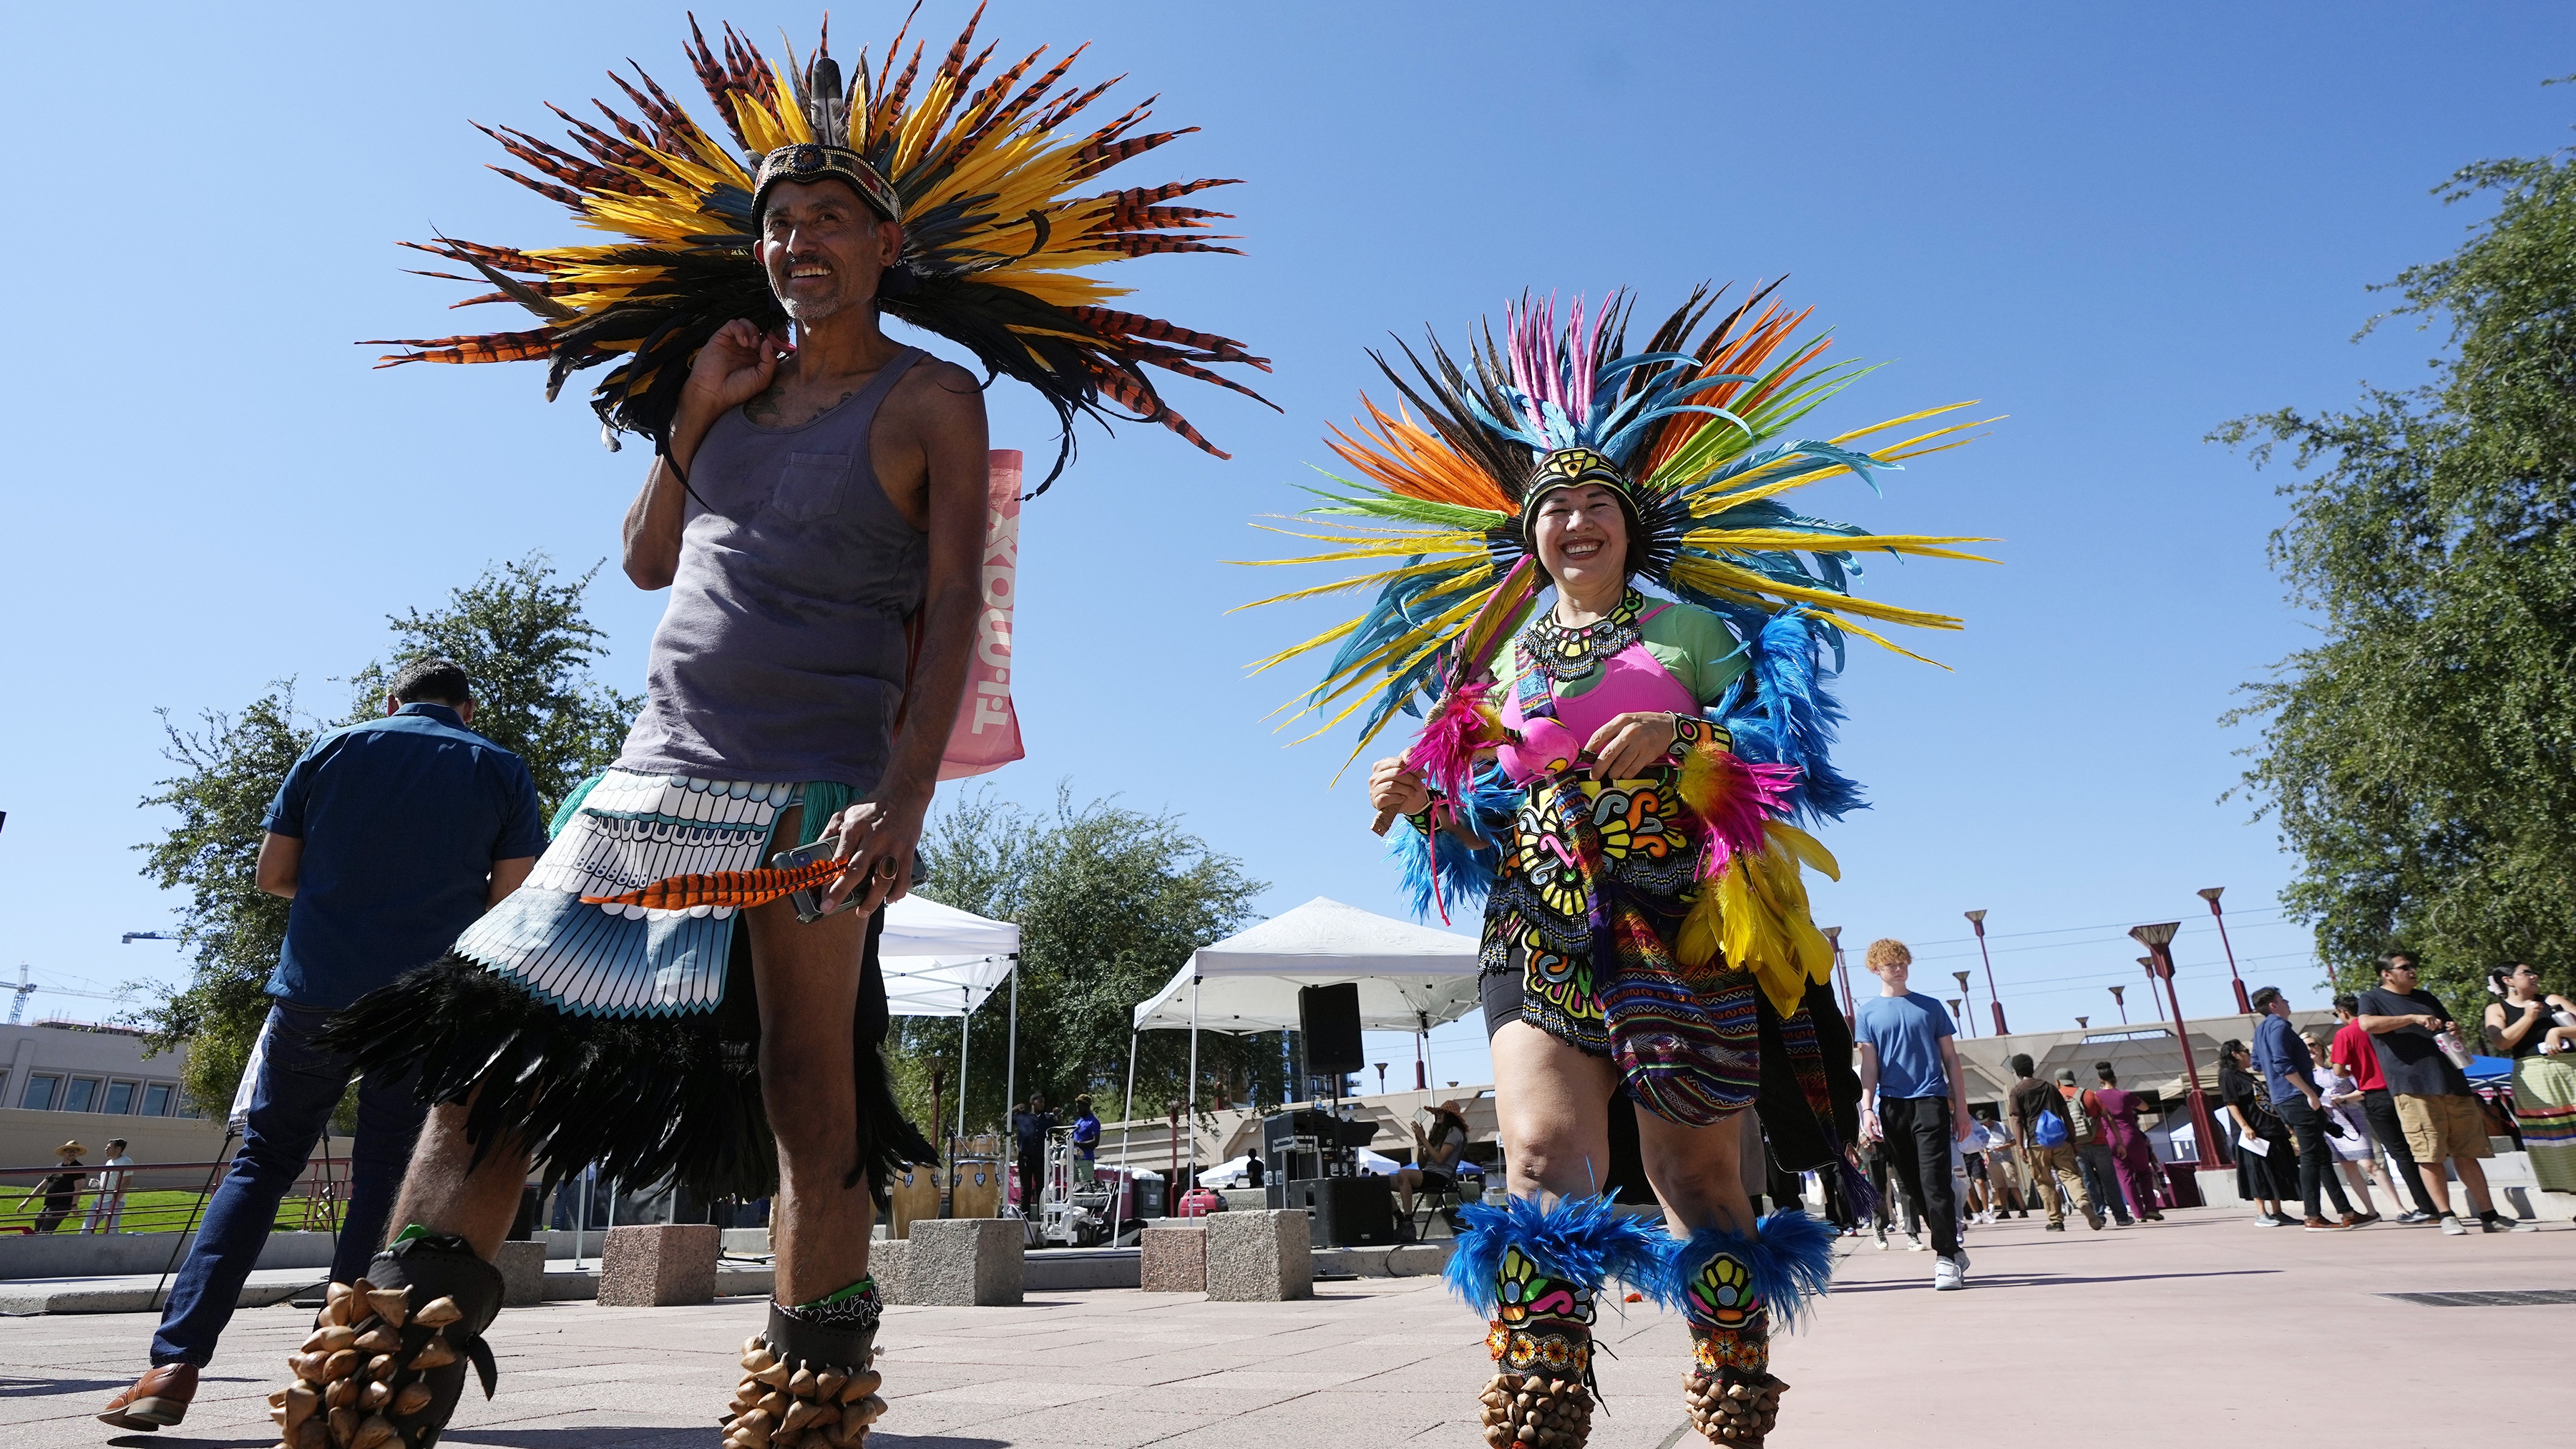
(781, 657)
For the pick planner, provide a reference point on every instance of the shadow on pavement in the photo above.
(604, 1436)
(2045, 1280)
(27, 1388)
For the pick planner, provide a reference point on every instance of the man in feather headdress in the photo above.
(817, 506)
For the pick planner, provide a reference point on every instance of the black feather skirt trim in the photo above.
(648, 1098)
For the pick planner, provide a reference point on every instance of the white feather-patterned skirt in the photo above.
(630, 831)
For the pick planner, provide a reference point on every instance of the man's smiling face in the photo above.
(824, 249)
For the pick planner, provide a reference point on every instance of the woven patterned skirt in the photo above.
(2544, 1106)
(621, 1035)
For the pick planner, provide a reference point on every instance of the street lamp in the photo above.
(1968, 996)
(1993, 998)
(1954, 1008)
(1842, 976)
(2121, 1002)
(2158, 939)
(2150, 963)
(2083, 1023)
(2243, 1003)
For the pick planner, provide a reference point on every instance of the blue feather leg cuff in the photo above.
(1582, 1242)
(1790, 1254)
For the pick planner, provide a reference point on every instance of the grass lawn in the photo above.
(145, 1212)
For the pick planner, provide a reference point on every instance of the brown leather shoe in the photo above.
(158, 1399)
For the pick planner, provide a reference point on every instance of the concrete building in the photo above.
(71, 1081)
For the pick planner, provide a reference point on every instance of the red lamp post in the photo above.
(2244, 1003)
(1993, 999)
(1967, 996)
(2158, 939)
(2150, 963)
(2083, 1023)
(2121, 1002)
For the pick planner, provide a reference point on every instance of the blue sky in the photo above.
(2118, 225)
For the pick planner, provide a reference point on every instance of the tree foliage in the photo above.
(2421, 757)
(1109, 902)
(522, 638)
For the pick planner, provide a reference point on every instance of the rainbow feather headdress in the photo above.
(1695, 436)
(998, 247)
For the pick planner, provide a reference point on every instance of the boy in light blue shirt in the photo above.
(1913, 1099)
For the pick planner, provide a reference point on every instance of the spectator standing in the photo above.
(1086, 1140)
(2092, 1154)
(1029, 1128)
(108, 1208)
(2003, 1168)
(2534, 1028)
(2290, 1077)
(2131, 1157)
(2264, 1171)
(2415, 1036)
(2354, 1153)
(2048, 1143)
(1913, 1098)
(2354, 1051)
(60, 1189)
(391, 837)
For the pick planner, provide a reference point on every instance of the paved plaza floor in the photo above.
(2202, 1329)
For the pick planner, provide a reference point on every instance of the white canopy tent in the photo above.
(1410, 978)
(941, 961)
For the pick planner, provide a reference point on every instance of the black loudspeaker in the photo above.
(1349, 1212)
(1329, 1016)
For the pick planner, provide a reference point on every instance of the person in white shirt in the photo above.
(108, 1208)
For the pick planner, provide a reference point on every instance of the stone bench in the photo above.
(1172, 1259)
(523, 1273)
(953, 1263)
(658, 1265)
(1259, 1257)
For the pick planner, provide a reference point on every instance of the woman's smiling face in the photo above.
(1581, 535)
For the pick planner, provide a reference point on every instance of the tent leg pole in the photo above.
(965, 1038)
(1191, 1097)
(1011, 1054)
(1126, 1134)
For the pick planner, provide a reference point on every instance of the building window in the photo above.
(80, 1094)
(156, 1100)
(120, 1098)
(40, 1093)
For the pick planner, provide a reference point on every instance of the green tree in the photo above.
(229, 770)
(1109, 902)
(523, 639)
(2420, 758)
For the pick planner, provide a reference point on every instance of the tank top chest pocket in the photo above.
(811, 486)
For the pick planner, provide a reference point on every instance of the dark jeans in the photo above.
(2102, 1180)
(1918, 1157)
(2380, 1110)
(292, 1093)
(2316, 1160)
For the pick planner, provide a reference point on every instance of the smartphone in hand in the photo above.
(808, 903)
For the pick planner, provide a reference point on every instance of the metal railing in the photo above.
(315, 1200)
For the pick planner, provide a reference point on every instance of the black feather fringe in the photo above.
(647, 1098)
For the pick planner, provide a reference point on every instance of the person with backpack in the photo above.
(2048, 1142)
(2092, 1148)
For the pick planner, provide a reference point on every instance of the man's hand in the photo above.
(735, 366)
(878, 839)
(2427, 1020)
(1870, 1131)
(1629, 745)
(1393, 786)
(1960, 1122)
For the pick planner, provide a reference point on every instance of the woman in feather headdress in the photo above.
(1615, 776)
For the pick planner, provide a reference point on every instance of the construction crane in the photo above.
(26, 988)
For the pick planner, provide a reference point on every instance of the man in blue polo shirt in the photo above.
(391, 837)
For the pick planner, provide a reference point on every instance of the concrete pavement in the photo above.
(2202, 1328)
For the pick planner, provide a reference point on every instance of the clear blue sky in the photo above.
(2118, 226)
